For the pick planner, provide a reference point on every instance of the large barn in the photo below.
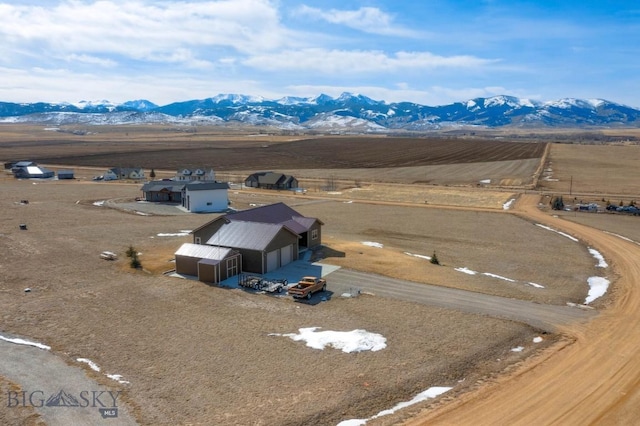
(266, 237)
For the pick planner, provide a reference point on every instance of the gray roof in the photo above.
(203, 251)
(246, 235)
(205, 185)
(159, 185)
(24, 164)
(278, 213)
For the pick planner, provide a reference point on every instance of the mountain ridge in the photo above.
(348, 112)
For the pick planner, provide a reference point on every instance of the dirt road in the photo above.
(595, 380)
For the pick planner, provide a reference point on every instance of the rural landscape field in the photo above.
(529, 345)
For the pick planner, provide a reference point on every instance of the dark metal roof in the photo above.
(159, 185)
(205, 185)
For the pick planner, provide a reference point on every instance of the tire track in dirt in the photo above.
(595, 380)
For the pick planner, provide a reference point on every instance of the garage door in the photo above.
(285, 255)
(272, 260)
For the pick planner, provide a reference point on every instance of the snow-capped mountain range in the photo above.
(348, 112)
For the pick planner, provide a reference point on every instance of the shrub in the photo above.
(434, 259)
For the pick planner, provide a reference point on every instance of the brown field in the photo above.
(196, 354)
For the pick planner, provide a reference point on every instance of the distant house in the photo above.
(271, 180)
(188, 175)
(117, 173)
(65, 174)
(167, 191)
(30, 170)
(267, 237)
(205, 197)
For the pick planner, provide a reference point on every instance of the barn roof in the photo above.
(204, 185)
(247, 235)
(203, 251)
(159, 185)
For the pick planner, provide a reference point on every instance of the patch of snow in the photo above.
(597, 287)
(601, 262)
(373, 244)
(498, 277)
(334, 193)
(99, 203)
(517, 349)
(182, 233)
(117, 377)
(142, 213)
(622, 237)
(422, 396)
(507, 205)
(346, 341)
(466, 271)
(421, 256)
(91, 364)
(537, 339)
(485, 181)
(557, 232)
(19, 341)
(535, 285)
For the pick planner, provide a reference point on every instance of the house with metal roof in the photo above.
(267, 237)
(271, 180)
(205, 197)
(209, 263)
(163, 191)
(30, 170)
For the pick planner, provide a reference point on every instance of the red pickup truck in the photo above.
(307, 286)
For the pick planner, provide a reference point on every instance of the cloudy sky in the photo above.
(430, 51)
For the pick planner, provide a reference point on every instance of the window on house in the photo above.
(198, 240)
(314, 234)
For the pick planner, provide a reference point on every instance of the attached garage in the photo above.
(272, 260)
(286, 255)
(210, 264)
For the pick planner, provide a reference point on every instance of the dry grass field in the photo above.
(196, 354)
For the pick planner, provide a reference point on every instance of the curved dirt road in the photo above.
(595, 380)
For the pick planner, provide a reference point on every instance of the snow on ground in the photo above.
(99, 203)
(485, 181)
(507, 205)
(517, 349)
(91, 364)
(498, 277)
(623, 237)
(422, 396)
(182, 233)
(421, 256)
(19, 341)
(346, 341)
(557, 232)
(537, 339)
(535, 285)
(117, 378)
(373, 244)
(466, 271)
(597, 287)
(599, 257)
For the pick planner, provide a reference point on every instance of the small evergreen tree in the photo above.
(152, 175)
(434, 259)
(558, 203)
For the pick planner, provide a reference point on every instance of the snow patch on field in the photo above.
(346, 341)
(572, 238)
(422, 396)
(507, 205)
(373, 244)
(421, 256)
(599, 257)
(597, 287)
(466, 271)
(182, 233)
(499, 277)
(91, 364)
(19, 341)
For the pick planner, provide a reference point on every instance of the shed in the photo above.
(65, 174)
(209, 263)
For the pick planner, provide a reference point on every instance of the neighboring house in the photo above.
(166, 191)
(124, 173)
(188, 175)
(210, 264)
(30, 170)
(268, 237)
(271, 180)
(65, 174)
(205, 197)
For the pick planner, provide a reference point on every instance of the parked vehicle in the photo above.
(272, 286)
(307, 286)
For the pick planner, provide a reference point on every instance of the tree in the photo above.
(434, 259)
(152, 175)
(132, 254)
(558, 203)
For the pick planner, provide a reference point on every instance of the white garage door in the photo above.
(272, 260)
(285, 255)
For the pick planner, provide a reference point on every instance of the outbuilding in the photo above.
(209, 263)
(65, 174)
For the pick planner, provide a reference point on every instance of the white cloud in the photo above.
(366, 19)
(324, 61)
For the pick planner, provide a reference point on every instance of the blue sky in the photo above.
(431, 52)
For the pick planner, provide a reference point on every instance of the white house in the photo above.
(205, 197)
(124, 173)
(188, 175)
